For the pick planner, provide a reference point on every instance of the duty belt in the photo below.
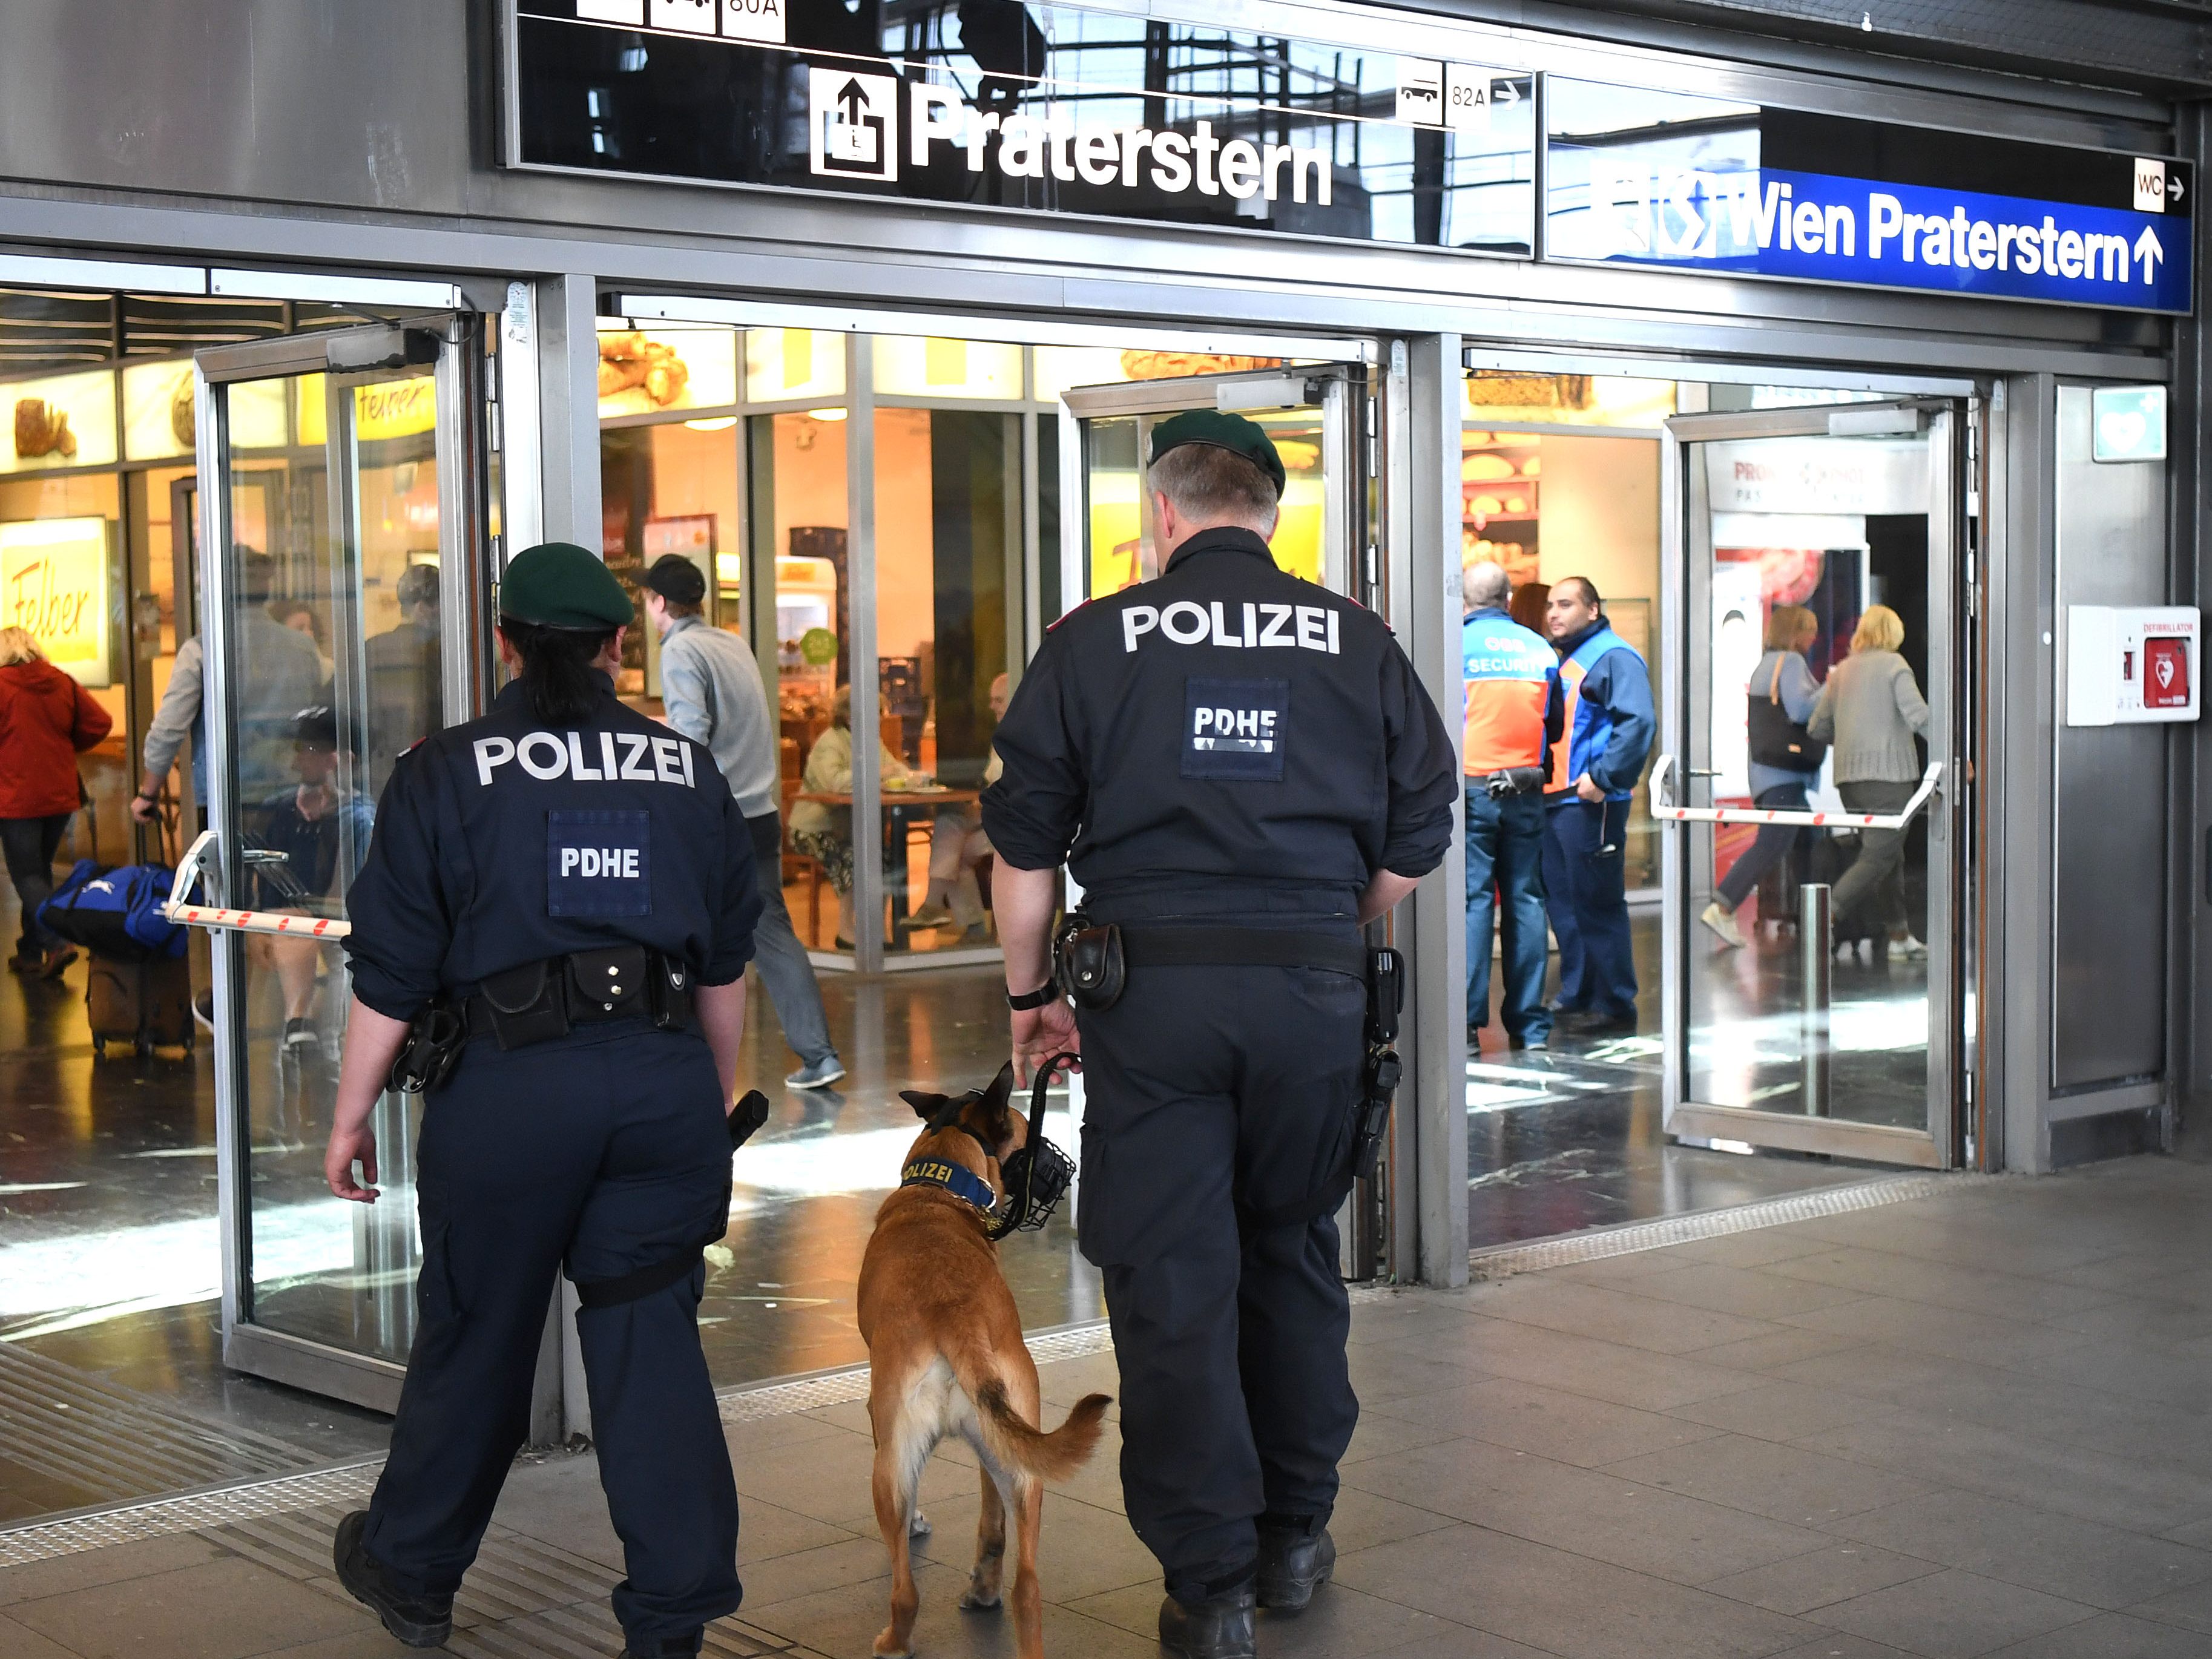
(1199, 946)
(539, 1001)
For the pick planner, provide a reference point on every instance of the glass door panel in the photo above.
(326, 660)
(1816, 572)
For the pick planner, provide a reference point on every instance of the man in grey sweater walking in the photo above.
(712, 688)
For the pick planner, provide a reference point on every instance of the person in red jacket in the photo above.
(46, 720)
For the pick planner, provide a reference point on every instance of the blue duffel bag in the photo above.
(115, 913)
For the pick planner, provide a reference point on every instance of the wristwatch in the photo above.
(1045, 992)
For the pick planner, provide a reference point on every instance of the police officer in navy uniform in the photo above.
(559, 901)
(1240, 768)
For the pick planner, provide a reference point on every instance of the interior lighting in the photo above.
(718, 424)
(826, 414)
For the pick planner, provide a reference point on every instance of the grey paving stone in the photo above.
(1629, 1524)
(1836, 1573)
(1838, 1645)
(828, 1477)
(2191, 1609)
(1764, 1354)
(1614, 1315)
(1380, 1432)
(1781, 1411)
(2131, 1494)
(1383, 1371)
(1753, 1293)
(1914, 1279)
(1365, 1520)
(21, 1642)
(1082, 1551)
(1766, 1477)
(851, 1560)
(2081, 1560)
(1952, 1614)
(113, 1565)
(1754, 1249)
(1563, 1603)
(2112, 1636)
(1602, 1370)
(1568, 1428)
(2141, 1318)
(1953, 1333)
(846, 1621)
(223, 1609)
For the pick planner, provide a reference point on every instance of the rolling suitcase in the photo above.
(147, 1003)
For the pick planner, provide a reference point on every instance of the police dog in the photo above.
(945, 1357)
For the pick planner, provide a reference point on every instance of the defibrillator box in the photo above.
(2128, 665)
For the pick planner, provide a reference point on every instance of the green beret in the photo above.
(1230, 432)
(561, 585)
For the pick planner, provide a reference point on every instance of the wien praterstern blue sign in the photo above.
(1696, 194)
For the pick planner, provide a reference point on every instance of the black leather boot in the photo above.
(1218, 1628)
(420, 1621)
(668, 1647)
(1294, 1563)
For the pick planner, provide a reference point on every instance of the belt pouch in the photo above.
(1091, 966)
(607, 984)
(526, 1005)
(668, 982)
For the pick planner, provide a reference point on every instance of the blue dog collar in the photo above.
(955, 1178)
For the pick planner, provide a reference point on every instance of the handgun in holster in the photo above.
(1378, 1078)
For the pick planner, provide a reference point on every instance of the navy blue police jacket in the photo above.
(1225, 724)
(508, 839)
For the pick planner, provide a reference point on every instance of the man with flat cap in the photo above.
(549, 938)
(1242, 770)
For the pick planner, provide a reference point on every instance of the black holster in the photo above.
(430, 1050)
(1379, 1077)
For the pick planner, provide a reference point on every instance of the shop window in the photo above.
(911, 366)
(61, 421)
(671, 488)
(644, 370)
(1120, 518)
(799, 519)
(1568, 399)
(786, 363)
(948, 527)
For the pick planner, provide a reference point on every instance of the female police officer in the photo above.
(559, 898)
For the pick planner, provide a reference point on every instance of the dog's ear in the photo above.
(925, 1105)
(998, 1121)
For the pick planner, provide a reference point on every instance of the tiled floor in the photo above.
(1969, 1425)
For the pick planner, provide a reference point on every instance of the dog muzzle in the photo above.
(1036, 1177)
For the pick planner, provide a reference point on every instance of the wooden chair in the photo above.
(797, 865)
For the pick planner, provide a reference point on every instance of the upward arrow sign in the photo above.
(854, 98)
(2150, 253)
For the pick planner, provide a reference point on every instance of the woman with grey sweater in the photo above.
(1870, 710)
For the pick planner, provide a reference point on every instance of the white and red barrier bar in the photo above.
(255, 921)
(1663, 808)
(199, 860)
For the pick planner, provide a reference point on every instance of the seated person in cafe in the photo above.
(317, 825)
(824, 830)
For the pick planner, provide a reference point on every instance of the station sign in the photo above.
(1636, 177)
(1042, 108)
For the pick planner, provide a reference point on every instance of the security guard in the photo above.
(1514, 714)
(1241, 769)
(558, 906)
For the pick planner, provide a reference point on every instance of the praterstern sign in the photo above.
(1714, 188)
(1044, 108)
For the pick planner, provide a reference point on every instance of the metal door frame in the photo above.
(459, 373)
(1353, 563)
(1684, 624)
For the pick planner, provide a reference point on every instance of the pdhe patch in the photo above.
(1235, 730)
(598, 863)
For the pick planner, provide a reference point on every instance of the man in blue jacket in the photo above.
(1609, 727)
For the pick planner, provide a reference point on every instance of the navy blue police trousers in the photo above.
(605, 1152)
(1218, 1109)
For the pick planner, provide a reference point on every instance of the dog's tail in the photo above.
(1053, 1456)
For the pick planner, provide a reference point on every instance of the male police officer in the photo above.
(569, 886)
(1610, 725)
(1514, 716)
(1241, 769)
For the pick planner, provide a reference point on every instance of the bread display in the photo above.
(42, 429)
(627, 359)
